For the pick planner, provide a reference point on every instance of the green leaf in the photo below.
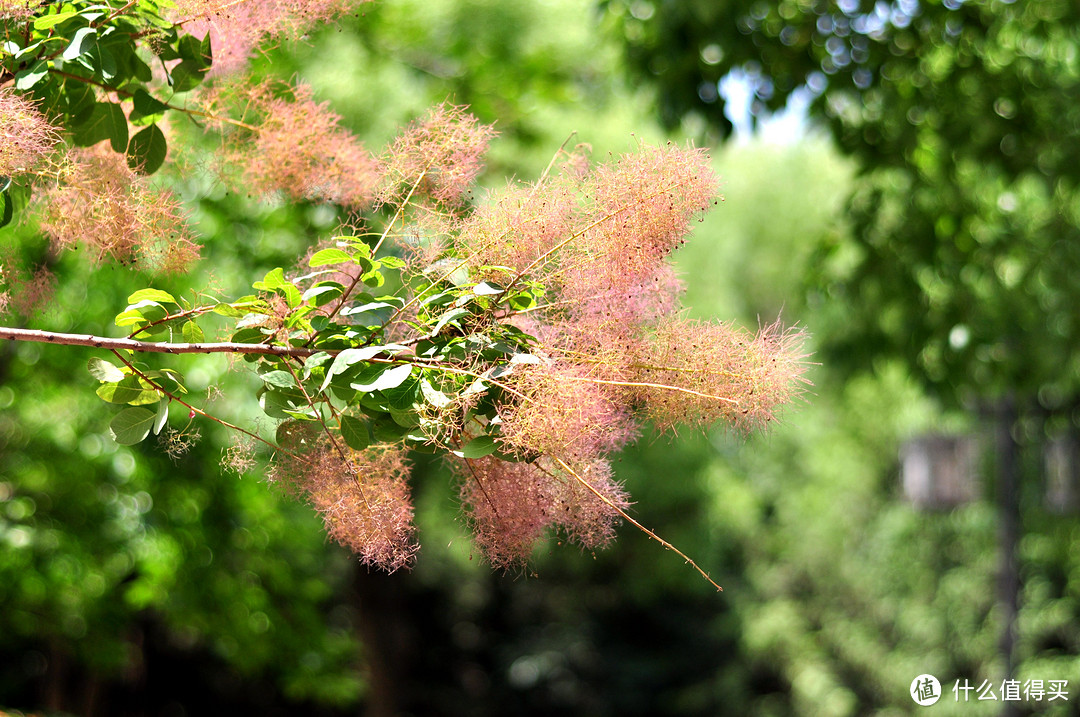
(275, 281)
(392, 262)
(373, 278)
(192, 333)
(79, 99)
(26, 79)
(80, 42)
(479, 447)
(375, 313)
(344, 360)
(387, 378)
(107, 121)
(385, 430)
(131, 391)
(187, 75)
(248, 336)
(323, 293)
(355, 433)
(102, 370)
(146, 109)
(433, 396)
(162, 416)
(285, 404)
(206, 51)
(447, 318)
(168, 378)
(315, 361)
(14, 198)
(156, 295)
(241, 307)
(280, 379)
(293, 435)
(327, 257)
(46, 21)
(190, 48)
(131, 317)
(485, 288)
(132, 425)
(405, 417)
(103, 62)
(147, 149)
(149, 310)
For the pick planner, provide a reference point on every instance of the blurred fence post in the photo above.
(1008, 505)
(1061, 457)
(940, 471)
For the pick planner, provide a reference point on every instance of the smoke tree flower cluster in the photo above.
(525, 336)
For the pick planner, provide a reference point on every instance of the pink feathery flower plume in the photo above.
(642, 206)
(437, 157)
(518, 225)
(26, 137)
(104, 205)
(363, 497)
(564, 412)
(237, 27)
(511, 506)
(299, 147)
(698, 373)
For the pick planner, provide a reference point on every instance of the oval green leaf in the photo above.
(104, 371)
(355, 433)
(192, 333)
(280, 379)
(479, 447)
(151, 295)
(161, 417)
(327, 257)
(147, 149)
(132, 425)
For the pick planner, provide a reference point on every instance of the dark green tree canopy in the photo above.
(964, 119)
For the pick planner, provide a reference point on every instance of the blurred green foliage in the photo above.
(964, 217)
(130, 584)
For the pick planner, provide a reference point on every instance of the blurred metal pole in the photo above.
(1008, 503)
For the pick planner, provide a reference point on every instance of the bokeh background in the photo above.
(900, 178)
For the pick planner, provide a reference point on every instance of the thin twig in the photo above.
(645, 384)
(639, 526)
(162, 347)
(329, 434)
(547, 170)
(199, 411)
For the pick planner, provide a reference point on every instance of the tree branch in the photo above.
(104, 342)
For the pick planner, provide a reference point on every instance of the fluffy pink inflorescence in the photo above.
(517, 227)
(439, 156)
(642, 206)
(616, 316)
(564, 412)
(237, 27)
(24, 292)
(363, 497)
(301, 150)
(512, 506)
(17, 9)
(105, 206)
(26, 137)
(701, 374)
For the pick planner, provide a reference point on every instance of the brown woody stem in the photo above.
(104, 342)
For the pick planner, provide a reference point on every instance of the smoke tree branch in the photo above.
(162, 347)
